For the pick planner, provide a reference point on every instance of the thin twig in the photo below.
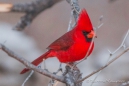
(75, 8)
(121, 45)
(27, 78)
(70, 22)
(87, 52)
(104, 66)
(98, 26)
(111, 56)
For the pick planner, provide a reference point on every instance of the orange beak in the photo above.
(91, 34)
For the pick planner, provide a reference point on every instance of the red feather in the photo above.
(84, 21)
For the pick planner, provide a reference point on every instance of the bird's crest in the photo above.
(84, 22)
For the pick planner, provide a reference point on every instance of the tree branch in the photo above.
(69, 78)
(104, 66)
(111, 54)
(31, 10)
(31, 66)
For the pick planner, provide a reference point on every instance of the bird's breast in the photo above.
(76, 52)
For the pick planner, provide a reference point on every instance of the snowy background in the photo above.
(50, 25)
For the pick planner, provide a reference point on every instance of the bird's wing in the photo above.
(62, 43)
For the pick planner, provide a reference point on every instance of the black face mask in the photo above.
(85, 35)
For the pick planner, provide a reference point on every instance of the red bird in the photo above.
(73, 45)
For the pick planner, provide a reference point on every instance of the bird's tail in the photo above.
(36, 62)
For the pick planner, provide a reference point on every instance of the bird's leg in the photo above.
(60, 69)
(72, 66)
(44, 65)
(52, 81)
(66, 70)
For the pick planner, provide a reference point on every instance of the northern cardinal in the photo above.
(73, 45)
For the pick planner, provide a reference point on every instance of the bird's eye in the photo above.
(84, 33)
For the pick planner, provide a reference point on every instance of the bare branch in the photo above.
(31, 10)
(104, 66)
(75, 10)
(27, 78)
(111, 54)
(70, 22)
(31, 66)
(121, 45)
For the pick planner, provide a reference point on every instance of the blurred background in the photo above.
(51, 24)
